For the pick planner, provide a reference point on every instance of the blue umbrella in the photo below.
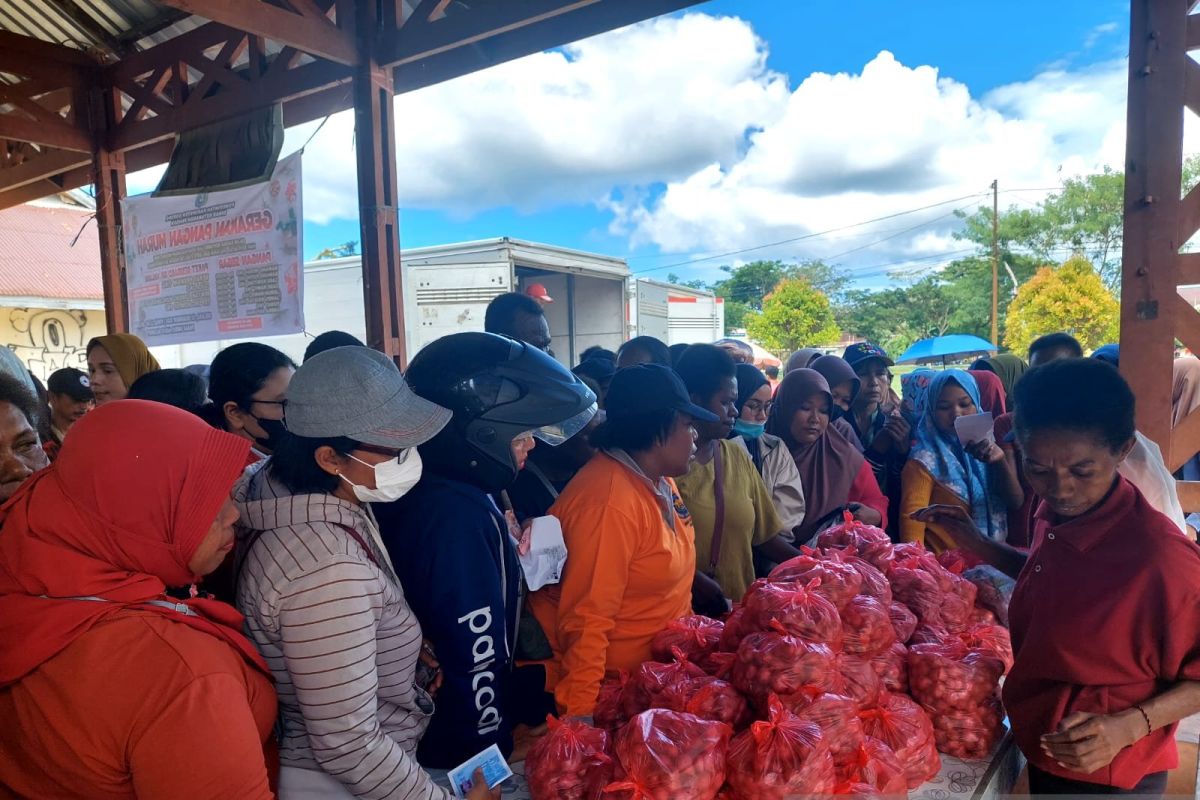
(940, 348)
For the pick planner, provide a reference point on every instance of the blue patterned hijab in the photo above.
(947, 461)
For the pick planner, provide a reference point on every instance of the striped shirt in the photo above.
(326, 611)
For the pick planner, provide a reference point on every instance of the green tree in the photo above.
(695, 283)
(748, 284)
(794, 315)
(895, 318)
(1070, 298)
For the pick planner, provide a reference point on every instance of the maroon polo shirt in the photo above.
(1105, 615)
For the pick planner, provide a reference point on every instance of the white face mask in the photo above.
(393, 478)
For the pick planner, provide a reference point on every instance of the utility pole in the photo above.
(996, 262)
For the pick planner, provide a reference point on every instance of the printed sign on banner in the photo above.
(220, 265)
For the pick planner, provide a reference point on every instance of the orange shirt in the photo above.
(139, 706)
(628, 574)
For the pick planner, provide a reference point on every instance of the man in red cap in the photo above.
(538, 292)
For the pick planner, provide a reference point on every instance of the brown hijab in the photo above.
(129, 353)
(829, 465)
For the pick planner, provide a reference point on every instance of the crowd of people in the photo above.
(252, 577)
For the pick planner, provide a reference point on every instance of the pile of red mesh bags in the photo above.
(846, 671)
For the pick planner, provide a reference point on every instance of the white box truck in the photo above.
(447, 289)
(677, 314)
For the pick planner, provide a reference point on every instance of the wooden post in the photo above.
(375, 149)
(1153, 167)
(108, 178)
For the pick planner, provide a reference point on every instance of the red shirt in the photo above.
(865, 490)
(1105, 615)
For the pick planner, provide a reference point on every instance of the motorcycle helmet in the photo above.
(497, 388)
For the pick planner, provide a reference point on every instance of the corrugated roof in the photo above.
(113, 27)
(38, 260)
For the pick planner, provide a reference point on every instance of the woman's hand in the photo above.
(955, 521)
(865, 514)
(479, 788)
(900, 431)
(430, 666)
(525, 737)
(708, 597)
(986, 451)
(1085, 742)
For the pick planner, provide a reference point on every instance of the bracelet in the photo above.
(1145, 716)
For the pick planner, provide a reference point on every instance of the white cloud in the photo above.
(678, 128)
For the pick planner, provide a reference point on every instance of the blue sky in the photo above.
(743, 122)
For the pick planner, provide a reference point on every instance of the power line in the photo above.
(806, 236)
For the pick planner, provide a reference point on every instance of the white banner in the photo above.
(220, 265)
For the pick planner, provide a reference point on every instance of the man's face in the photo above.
(66, 410)
(532, 329)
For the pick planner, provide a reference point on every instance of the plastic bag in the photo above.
(854, 677)
(981, 616)
(991, 640)
(708, 698)
(930, 634)
(958, 603)
(892, 668)
(835, 714)
(669, 755)
(994, 590)
(570, 762)
(866, 627)
(919, 591)
(969, 734)
(904, 726)
(869, 543)
(874, 583)
(799, 608)
(958, 561)
(876, 765)
(838, 582)
(780, 758)
(904, 621)
(734, 628)
(609, 711)
(696, 636)
(777, 662)
(950, 677)
(651, 679)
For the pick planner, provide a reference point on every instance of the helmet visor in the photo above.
(558, 432)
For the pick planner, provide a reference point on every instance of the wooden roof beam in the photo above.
(49, 64)
(308, 30)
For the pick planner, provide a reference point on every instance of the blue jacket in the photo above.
(453, 555)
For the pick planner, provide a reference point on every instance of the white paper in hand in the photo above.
(547, 553)
(495, 771)
(975, 428)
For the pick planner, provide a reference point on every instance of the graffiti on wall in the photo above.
(49, 339)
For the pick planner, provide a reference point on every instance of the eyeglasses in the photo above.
(755, 407)
(281, 403)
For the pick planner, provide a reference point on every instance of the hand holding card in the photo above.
(488, 765)
(975, 428)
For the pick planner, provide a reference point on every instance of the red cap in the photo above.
(539, 293)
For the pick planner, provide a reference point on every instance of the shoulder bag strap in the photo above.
(719, 523)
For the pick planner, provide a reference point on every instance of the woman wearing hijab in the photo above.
(769, 454)
(833, 471)
(110, 687)
(115, 362)
(843, 381)
(321, 597)
(801, 359)
(941, 471)
(1009, 368)
(991, 392)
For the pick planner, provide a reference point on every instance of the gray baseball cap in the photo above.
(359, 393)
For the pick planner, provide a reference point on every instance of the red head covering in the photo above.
(991, 391)
(117, 517)
(829, 465)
